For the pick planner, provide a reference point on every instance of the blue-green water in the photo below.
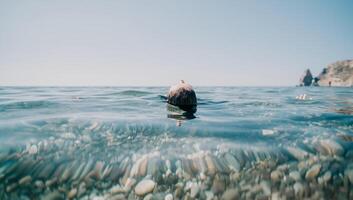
(51, 129)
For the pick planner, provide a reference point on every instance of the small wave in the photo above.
(23, 105)
(135, 93)
(261, 103)
(210, 102)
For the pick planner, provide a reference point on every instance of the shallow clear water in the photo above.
(67, 126)
(236, 114)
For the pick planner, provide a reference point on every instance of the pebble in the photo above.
(233, 164)
(276, 175)
(168, 197)
(144, 187)
(327, 176)
(313, 172)
(148, 197)
(218, 186)
(230, 194)
(298, 189)
(72, 193)
(11, 187)
(266, 187)
(210, 165)
(81, 189)
(129, 183)
(25, 180)
(55, 195)
(39, 184)
(143, 167)
(298, 154)
(178, 192)
(295, 175)
(331, 147)
(118, 197)
(50, 182)
(194, 190)
(117, 189)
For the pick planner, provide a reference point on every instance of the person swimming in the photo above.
(181, 102)
(183, 96)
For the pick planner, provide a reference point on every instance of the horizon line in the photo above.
(146, 86)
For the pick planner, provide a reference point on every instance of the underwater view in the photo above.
(127, 143)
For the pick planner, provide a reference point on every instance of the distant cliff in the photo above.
(338, 74)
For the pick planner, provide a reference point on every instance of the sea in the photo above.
(128, 143)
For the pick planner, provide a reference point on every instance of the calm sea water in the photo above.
(74, 125)
(236, 114)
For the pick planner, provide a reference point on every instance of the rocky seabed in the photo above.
(77, 167)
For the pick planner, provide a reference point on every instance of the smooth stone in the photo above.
(266, 188)
(276, 175)
(313, 172)
(218, 186)
(230, 194)
(129, 183)
(39, 184)
(55, 195)
(295, 175)
(135, 168)
(327, 176)
(78, 171)
(65, 175)
(11, 187)
(211, 168)
(194, 190)
(25, 180)
(298, 189)
(331, 148)
(118, 197)
(233, 164)
(81, 189)
(117, 189)
(72, 193)
(148, 197)
(144, 187)
(188, 186)
(200, 164)
(275, 196)
(152, 166)
(168, 197)
(349, 173)
(298, 154)
(50, 182)
(178, 192)
(143, 167)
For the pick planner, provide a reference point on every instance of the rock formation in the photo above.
(306, 79)
(337, 74)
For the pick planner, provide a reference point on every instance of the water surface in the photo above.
(56, 128)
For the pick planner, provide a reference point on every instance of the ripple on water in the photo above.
(247, 143)
(25, 105)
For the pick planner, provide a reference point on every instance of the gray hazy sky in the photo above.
(159, 42)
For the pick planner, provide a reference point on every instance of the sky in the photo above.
(159, 42)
